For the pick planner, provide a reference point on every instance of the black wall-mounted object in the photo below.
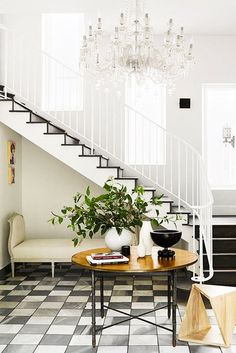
(184, 103)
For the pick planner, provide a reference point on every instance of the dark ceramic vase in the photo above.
(166, 238)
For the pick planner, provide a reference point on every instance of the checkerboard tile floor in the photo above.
(44, 315)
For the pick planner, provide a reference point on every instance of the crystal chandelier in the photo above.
(132, 49)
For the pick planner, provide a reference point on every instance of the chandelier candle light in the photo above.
(132, 50)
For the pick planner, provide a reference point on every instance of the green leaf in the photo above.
(60, 220)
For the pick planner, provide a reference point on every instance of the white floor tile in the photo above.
(231, 349)
(27, 339)
(160, 287)
(177, 349)
(142, 305)
(56, 293)
(51, 305)
(8, 305)
(10, 328)
(144, 293)
(105, 292)
(136, 322)
(85, 287)
(40, 320)
(50, 349)
(19, 292)
(88, 321)
(82, 340)
(30, 283)
(34, 298)
(44, 287)
(123, 287)
(22, 312)
(138, 340)
(112, 349)
(77, 299)
(2, 347)
(114, 313)
(61, 329)
(70, 312)
(121, 299)
(7, 287)
(116, 330)
(67, 283)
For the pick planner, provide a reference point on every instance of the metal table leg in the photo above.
(102, 296)
(93, 309)
(169, 296)
(174, 305)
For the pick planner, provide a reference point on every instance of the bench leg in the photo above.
(53, 267)
(12, 268)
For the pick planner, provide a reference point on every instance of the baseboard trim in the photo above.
(5, 271)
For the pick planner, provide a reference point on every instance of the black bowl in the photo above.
(165, 238)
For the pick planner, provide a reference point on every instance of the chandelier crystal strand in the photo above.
(131, 49)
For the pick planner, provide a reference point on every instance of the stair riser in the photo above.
(221, 231)
(224, 231)
(221, 262)
(224, 246)
(223, 278)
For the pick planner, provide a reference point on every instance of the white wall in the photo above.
(10, 195)
(215, 58)
(47, 185)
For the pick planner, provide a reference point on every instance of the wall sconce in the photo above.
(227, 137)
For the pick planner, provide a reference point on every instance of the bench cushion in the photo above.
(52, 249)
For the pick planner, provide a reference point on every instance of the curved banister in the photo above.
(99, 115)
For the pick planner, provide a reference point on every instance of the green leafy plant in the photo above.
(114, 208)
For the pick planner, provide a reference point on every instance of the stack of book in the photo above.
(107, 258)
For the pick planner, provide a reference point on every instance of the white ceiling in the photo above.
(197, 16)
(209, 17)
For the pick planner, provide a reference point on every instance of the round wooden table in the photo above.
(137, 266)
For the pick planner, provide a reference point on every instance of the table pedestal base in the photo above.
(171, 306)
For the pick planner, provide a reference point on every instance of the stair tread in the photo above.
(19, 111)
(127, 178)
(54, 133)
(72, 144)
(93, 155)
(110, 167)
(36, 122)
(175, 209)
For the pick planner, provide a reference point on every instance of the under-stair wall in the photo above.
(10, 194)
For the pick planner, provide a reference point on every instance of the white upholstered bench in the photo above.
(53, 250)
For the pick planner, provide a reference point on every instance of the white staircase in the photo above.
(90, 136)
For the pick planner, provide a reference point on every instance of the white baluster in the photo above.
(107, 118)
(171, 163)
(113, 124)
(186, 173)
(149, 148)
(197, 183)
(6, 62)
(100, 118)
(164, 159)
(92, 119)
(193, 178)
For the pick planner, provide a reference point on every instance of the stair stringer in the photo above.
(71, 156)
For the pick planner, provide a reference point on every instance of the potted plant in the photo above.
(115, 213)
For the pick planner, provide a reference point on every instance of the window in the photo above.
(61, 39)
(219, 112)
(145, 142)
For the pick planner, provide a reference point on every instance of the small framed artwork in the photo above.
(11, 157)
(11, 175)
